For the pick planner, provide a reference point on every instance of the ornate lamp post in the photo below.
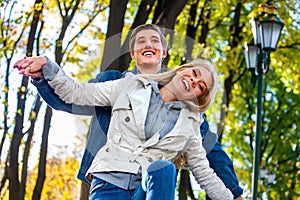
(266, 29)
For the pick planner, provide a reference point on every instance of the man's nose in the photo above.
(148, 44)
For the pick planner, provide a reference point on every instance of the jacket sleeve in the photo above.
(198, 164)
(209, 138)
(90, 94)
(223, 166)
(219, 160)
(53, 100)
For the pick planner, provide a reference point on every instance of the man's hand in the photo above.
(31, 66)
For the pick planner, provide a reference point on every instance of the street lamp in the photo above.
(266, 29)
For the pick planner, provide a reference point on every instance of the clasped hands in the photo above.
(31, 66)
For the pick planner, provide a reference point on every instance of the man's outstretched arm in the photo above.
(219, 160)
(223, 166)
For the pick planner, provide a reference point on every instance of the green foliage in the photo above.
(280, 139)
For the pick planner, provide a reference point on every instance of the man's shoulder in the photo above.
(113, 74)
(107, 76)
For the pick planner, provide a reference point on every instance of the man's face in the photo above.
(148, 50)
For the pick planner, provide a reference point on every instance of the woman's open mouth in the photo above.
(186, 85)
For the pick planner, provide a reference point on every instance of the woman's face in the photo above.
(148, 49)
(190, 83)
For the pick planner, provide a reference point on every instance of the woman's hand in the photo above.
(31, 66)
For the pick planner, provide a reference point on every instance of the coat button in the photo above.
(127, 119)
(107, 150)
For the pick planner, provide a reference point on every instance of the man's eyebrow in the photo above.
(140, 37)
(143, 37)
(154, 36)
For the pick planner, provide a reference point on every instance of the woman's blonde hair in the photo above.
(203, 101)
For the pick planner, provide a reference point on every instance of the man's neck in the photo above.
(149, 69)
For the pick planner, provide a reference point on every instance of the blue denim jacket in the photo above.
(217, 158)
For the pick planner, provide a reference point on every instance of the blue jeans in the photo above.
(159, 183)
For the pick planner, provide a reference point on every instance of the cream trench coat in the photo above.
(127, 149)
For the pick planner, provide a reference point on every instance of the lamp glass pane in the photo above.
(265, 29)
(276, 35)
(255, 30)
(253, 51)
(247, 57)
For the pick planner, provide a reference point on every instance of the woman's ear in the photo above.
(180, 69)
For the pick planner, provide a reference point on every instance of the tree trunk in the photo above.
(203, 21)
(183, 184)
(140, 18)
(13, 167)
(66, 20)
(170, 12)
(35, 112)
(191, 32)
(84, 191)
(16, 190)
(43, 156)
(229, 81)
(113, 36)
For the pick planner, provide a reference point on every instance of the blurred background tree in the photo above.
(89, 36)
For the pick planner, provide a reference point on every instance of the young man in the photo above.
(148, 47)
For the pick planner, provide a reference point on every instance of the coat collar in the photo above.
(147, 85)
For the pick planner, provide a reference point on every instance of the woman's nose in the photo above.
(195, 81)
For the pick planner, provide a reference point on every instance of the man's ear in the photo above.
(132, 54)
(165, 52)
